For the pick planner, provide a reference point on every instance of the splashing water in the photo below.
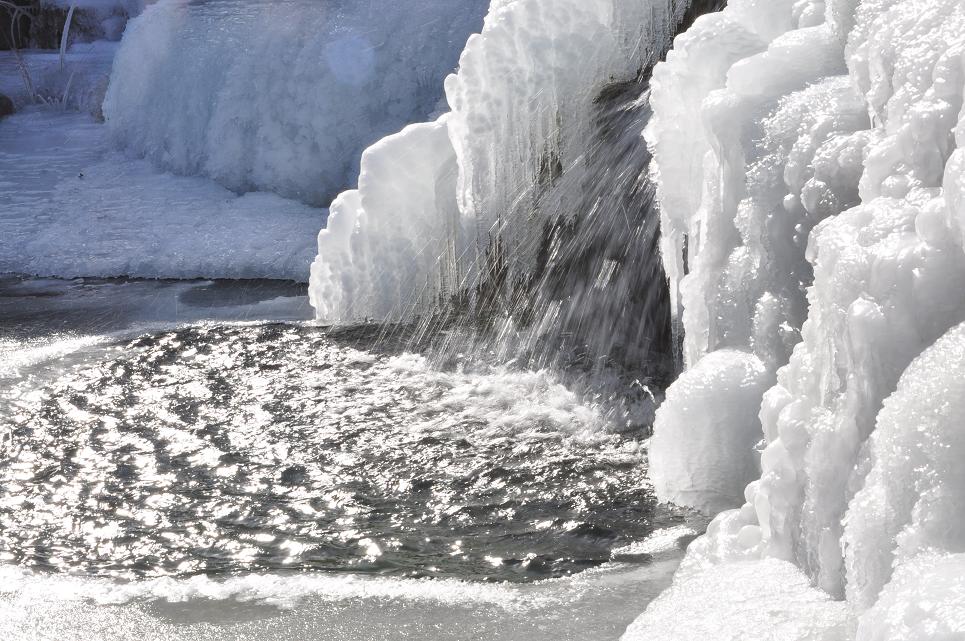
(221, 449)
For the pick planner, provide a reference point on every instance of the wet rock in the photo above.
(6, 106)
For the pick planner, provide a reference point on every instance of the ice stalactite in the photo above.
(829, 134)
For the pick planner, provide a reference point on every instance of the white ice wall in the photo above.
(830, 161)
(280, 95)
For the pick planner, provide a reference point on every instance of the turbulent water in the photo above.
(221, 449)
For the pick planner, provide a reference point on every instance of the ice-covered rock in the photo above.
(280, 96)
(412, 175)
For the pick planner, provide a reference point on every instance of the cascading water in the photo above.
(536, 219)
(597, 296)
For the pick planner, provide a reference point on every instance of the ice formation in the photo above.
(812, 199)
(714, 405)
(532, 213)
(273, 100)
(521, 115)
(280, 96)
(812, 195)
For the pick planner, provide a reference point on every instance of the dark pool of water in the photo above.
(224, 449)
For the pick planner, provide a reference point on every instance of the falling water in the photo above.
(593, 296)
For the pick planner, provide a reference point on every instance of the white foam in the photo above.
(659, 542)
(276, 590)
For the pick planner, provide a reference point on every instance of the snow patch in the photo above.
(72, 208)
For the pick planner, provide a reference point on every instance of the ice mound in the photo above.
(913, 497)
(702, 452)
(280, 96)
(447, 206)
(821, 229)
(418, 235)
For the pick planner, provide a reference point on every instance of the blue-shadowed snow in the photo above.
(229, 123)
(281, 95)
(75, 207)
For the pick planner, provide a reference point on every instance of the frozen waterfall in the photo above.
(810, 193)
(230, 126)
(527, 204)
(811, 190)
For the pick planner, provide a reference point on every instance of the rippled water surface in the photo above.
(222, 449)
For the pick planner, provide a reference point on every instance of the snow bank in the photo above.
(828, 135)
(71, 207)
(77, 86)
(766, 600)
(521, 104)
(702, 452)
(280, 96)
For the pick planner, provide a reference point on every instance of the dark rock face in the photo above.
(37, 26)
(6, 106)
